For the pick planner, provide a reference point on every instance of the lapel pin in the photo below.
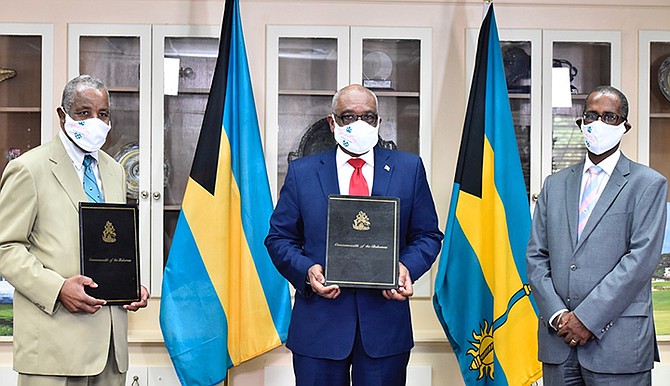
(387, 168)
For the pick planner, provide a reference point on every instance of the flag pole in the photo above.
(487, 5)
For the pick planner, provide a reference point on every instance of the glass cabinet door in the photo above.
(26, 88)
(26, 110)
(395, 63)
(654, 102)
(184, 59)
(654, 146)
(548, 138)
(521, 53)
(120, 59)
(592, 59)
(305, 66)
(159, 79)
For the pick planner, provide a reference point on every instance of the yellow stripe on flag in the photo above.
(484, 223)
(227, 258)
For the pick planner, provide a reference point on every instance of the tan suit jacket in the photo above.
(39, 249)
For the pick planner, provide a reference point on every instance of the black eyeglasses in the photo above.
(606, 117)
(348, 119)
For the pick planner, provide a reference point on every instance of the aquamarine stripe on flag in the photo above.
(248, 165)
(178, 288)
(223, 301)
(482, 297)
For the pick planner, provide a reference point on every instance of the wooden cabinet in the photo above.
(547, 136)
(594, 57)
(307, 64)
(26, 88)
(654, 100)
(654, 145)
(26, 109)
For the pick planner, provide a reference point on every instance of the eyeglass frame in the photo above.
(602, 117)
(357, 117)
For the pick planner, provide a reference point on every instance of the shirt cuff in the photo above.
(556, 315)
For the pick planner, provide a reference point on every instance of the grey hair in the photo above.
(71, 87)
(338, 94)
(604, 90)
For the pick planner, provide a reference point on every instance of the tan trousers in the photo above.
(110, 376)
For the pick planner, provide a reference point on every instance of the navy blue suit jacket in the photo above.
(325, 328)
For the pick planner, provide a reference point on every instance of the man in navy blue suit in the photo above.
(335, 332)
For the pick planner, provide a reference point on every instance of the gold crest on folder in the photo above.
(361, 222)
(109, 233)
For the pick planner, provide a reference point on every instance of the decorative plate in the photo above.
(664, 78)
(129, 157)
(377, 65)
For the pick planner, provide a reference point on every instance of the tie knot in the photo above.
(88, 159)
(595, 170)
(357, 163)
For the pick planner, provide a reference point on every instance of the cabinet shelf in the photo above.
(405, 94)
(380, 93)
(172, 208)
(193, 91)
(124, 89)
(20, 109)
(307, 92)
(659, 115)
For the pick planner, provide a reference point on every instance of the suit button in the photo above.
(568, 299)
(603, 330)
(573, 267)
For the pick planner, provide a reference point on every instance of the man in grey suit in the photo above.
(62, 336)
(596, 240)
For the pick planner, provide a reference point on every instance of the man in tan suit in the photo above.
(62, 336)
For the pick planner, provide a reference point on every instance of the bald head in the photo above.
(353, 93)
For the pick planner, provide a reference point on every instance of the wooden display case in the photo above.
(20, 95)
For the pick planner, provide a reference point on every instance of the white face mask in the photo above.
(600, 137)
(89, 134)
(358, 137)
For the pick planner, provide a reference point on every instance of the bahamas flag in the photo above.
(482, 297)
(223, 301)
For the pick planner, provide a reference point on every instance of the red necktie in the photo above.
(358, 186)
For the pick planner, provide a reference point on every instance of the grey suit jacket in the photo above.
(605, 276)
(39, 249)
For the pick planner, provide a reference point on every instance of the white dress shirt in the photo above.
(345, 170)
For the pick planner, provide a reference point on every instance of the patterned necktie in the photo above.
(358, 186)
(90, 183)
(588, 197)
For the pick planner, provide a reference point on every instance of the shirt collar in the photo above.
(342, 158)
(607, 165)
(75, 153)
